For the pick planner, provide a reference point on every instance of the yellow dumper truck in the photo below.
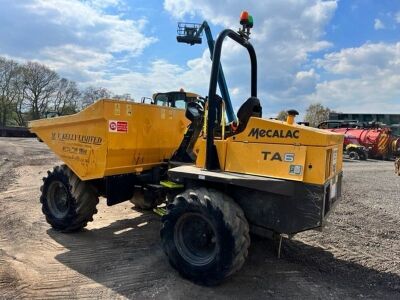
(220, 180)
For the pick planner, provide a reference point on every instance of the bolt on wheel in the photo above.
(196, 239)
(57, 199)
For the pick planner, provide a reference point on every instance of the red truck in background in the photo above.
(375, 137)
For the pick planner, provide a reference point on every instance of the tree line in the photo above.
(315, 114)
(31, 91)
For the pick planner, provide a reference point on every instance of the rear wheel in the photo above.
(363, 155)
(67, 202)
(205, 235)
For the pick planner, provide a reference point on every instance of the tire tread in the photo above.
(84, 201)
(233, 218)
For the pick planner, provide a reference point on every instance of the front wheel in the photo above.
(205, 235)
(353, 155)
(67, 202)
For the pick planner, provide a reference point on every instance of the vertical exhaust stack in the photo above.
(291, 116)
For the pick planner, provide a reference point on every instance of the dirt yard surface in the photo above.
(119, 254)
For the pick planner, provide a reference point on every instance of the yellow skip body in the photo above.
(113, 137)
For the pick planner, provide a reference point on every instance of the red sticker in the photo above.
(117, 126)
(122, 126)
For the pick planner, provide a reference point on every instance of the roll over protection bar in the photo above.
(212, 162)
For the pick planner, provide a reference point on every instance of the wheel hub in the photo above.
(195, 239)
(57, 199)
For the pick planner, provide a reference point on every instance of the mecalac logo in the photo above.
(257, 132)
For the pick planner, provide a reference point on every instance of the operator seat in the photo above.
(250, 108)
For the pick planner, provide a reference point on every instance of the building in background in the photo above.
(392, 120)
(388, 119)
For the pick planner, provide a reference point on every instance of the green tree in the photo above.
(316, 113)
(65, 100)
(282, 115)
(39, 86)
(31, 90)
(9, 71)
(91, 94)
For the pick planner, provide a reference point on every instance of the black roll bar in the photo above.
(211, 152)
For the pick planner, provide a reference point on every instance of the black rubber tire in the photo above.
(81, 197)
(363, 155)
(353, 155)
(229, 225)
(142, 202)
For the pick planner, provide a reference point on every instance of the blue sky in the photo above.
(344, 54)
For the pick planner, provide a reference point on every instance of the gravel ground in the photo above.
(119, 255)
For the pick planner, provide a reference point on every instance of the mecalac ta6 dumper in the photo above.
(221, 177)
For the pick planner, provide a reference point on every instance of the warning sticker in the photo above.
(117, 126)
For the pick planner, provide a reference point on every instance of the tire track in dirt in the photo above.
(133, 270)
(112, 253)
(367, 239)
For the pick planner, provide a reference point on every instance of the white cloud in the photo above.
(235, 91)
(78, 39)
(160, 76)
(369, 78)
(305, 82)
(93, 47)
(101, 4)
(285, 34)
(90, 24)
(370, 95)
(69, 55)
(87, 43)
(73, 61)
(378, 24)
(368, 59)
